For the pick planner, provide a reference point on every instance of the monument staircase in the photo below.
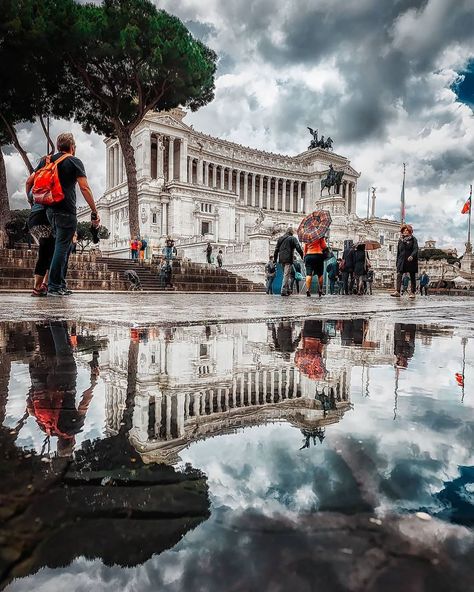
(187, 276)
(91, 272)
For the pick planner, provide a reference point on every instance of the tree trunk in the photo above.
(14, 138)
(125, 141)
(5, 213)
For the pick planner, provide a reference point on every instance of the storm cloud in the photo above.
(388, 81)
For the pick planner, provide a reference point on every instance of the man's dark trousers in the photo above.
(64, 226)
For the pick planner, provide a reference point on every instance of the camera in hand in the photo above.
(94, 229)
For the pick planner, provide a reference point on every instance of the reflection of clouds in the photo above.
(414, 455)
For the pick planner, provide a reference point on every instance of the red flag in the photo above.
(466, 207)
(459, 378)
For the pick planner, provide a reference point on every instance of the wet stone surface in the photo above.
(331, 453)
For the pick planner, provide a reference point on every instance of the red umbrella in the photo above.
(314, 226)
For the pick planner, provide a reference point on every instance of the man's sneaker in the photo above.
(395, 294)
(67, 291)
(57, 293)
(412, 296)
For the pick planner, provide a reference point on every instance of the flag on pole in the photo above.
(459, 379)
(467, 206)
(402, 198)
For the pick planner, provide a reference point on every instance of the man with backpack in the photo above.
(53, 184)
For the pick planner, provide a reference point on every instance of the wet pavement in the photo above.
(326, 452)
(183, 309)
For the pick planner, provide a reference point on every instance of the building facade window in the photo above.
(206, 207)
(206, 227)
(153, 218)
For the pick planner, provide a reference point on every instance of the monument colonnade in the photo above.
(167, 157)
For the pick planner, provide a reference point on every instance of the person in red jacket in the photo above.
(314, 263)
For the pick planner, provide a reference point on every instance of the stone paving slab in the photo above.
(141, 309)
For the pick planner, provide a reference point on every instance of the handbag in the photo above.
(327, 253)
(299, 276)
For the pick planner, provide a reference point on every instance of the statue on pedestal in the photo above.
(333, 179)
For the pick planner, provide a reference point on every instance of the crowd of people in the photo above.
(352, 273)
(53, 226)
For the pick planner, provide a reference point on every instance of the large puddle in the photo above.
(156, 459)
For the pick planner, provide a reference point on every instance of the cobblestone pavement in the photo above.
(183, 309)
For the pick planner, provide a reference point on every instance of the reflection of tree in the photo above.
(311, 435)
(107, 503)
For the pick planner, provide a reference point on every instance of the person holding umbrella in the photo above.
(311, 232)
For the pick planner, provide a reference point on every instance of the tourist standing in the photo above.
(407, 259)
(284, 254)
(314, 263)
(143, 246)
(220, 258)
(424, 281)
(296, 276)
(333, 273)
(370, 280)
(169, 250)
(270, 272)
(348, 262)
(208, 252)
(360, 268)
(134, 248)
(62, 215)
(41, 231)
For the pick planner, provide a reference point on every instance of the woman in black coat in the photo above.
(407, 259)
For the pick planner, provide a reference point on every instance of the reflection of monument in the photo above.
(196, 382)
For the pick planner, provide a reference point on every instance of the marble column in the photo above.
(299, 207)
(292, 196)
(277, 183)
(269, 186)
(253, 196)
(183, 155)
(116, 165)
(237, 184)
(283, 195)
(260, 192)
(206, 174)
(222, 177)
(230, 179)
(107, 169)
(190, 170)
(246, 187)
(171, 160)
(214, 176)
(200, 170)
(160, 160)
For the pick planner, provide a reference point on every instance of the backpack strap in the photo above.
(61, 158)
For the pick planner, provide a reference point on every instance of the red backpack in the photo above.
(47, 189)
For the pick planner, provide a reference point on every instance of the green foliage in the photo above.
(84, 234)
(133, 58)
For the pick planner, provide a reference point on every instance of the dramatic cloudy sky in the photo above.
(389, 81)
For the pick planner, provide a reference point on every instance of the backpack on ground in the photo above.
(47, 189)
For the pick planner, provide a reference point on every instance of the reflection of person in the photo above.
(309, 358)
(407, 259)
(52, 396)
(283, 339)
(404, 343)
